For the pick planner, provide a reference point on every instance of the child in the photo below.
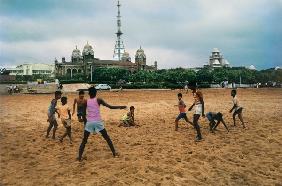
(51, 115)
(65, 114)
(199, 108)
(128, 119)
(212, 116)
(181, 106)
(81, 107)
(237, 108)
(94, 121)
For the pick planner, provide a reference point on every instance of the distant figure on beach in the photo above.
(81, 107)
(199, 108)
(182, 111)
(64, 111)
(237, 108)
(214, 119)
(51, 114)
(94, 121)
(128, 119)
(186, 88)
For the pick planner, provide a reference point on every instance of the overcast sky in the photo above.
(176, 33)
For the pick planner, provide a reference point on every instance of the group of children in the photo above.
(214, 117)
(93, 122)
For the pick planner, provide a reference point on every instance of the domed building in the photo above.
(217, 60)
(82, 63)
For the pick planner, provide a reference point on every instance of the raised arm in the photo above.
(102, 102)
(191, 107)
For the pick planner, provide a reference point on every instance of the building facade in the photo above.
(82, 63)
(33, 69)
(216, 60)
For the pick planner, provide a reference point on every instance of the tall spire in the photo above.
(119, 47)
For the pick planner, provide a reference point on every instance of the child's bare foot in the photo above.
(116, 155)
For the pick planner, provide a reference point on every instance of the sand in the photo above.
(152, 154)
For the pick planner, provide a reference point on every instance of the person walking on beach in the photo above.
(64, 111)
(199, 108)
(94, 121)
(237, 108)
(182, 111)
(51, 114)
(81, 107)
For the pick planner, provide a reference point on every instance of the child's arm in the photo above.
(69, 114)
(234, 106)
(102, 102)
(74, 103)
(191, 107)
(57, 113)
(203, 106)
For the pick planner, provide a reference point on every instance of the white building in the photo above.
(217, 60)
(33, 69)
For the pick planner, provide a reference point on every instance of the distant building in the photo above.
(216, 60)
(252, 67)
(82, 63)
(33, 69)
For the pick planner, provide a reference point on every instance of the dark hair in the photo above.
(131, 107)
(81, 92)
(58, 93)
(92, 92)
(64, 99)
(179, 95)
(235, 91)
(219, 116)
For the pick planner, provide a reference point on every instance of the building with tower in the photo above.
(216, 59)
(83, 62)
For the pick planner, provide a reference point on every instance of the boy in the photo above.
(65, 115)
(94, 121)
(212, 116)
(199, 108)
(81, 107)
(181, 106)
(236, 107)
(51, 115)
(128, 119)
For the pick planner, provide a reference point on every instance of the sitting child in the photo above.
(128, 119)
(212, 116)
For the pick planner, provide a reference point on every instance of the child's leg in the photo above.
(49, 128)
(69, 133)
(234, 115)
(224, 125)
(109, 141)
(196, 126)
(240, 115)
(54, 129)
(82, 145)
(187, 120)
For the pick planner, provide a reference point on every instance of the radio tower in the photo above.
(119, 47)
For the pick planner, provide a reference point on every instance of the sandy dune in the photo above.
(153, 154)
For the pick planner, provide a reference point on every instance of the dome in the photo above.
(277, 68)
(215, 50)
(252, 67)
(87, 50)
(76, 53)
(125, 56)
(140, 53)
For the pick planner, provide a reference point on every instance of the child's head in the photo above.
(218, 116)
(233, 92)
(131, 109)
(58, 94)
(64, 100)
(81, 94)
(179, 95)
(92, 92)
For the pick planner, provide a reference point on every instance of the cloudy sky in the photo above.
(176, 33)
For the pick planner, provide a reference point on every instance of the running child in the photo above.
(199, 108)
(182, 109)
(65, 115)
(94, 121)
(212, 116)
(236, 107)
(128, 119)
(81, 107)
(51, 114)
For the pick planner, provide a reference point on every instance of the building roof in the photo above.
(216, 62)
(215, 50)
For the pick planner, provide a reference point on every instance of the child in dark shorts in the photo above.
(182, 111)
(214, 119)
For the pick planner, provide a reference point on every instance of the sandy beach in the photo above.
(152, 154)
